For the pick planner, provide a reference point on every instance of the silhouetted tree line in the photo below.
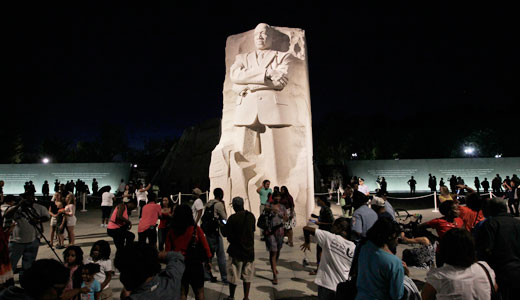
(109, 145)
(441, 134)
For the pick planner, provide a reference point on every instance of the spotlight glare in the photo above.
(45, 160)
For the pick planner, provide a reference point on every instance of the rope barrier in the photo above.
(410, 198)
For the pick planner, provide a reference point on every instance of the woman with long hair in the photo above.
(186, 237)
(274, 235)
(288, 201)
(166, 215)
(445, 194)
(70, 215)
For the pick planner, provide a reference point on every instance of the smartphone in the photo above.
(224, 222)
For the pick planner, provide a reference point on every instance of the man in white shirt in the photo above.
(142, 196)
(336, 257)
(362, 187)
(107, 201)
(198, 205)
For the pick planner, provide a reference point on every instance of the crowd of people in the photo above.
(474, 253)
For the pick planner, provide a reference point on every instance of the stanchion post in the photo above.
(490, 195)
(435, 202)
(207, 196)
(180, 198)
(338, 196)
(84, 200)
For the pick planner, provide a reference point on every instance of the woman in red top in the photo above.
(166, 214)
(119, 225)
(471, 214)
(187, 238)
(450, 211)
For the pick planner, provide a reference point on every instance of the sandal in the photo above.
(313, 272)
(275, 281)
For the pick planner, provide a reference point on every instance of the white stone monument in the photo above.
(266, 122)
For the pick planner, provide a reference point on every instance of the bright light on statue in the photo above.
(135, 166)
(498, 156)
(45, 160)
(354, 154)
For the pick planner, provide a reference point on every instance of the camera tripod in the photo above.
(31, 216)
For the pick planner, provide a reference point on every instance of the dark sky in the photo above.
(159, 69)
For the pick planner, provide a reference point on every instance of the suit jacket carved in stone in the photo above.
(258, 96)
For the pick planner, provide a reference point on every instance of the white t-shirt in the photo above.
(141, 196)
(104, 267)
(197, 205)
(107, 199)
(363, 189)
(336, 259)
(462, 284)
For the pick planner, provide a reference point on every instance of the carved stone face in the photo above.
(262, 37)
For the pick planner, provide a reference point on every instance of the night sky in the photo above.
(158, 69)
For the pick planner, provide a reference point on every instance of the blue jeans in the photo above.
(216, 244)
(29, 251)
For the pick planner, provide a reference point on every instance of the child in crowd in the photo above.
(88, 272)
(100, 255)
(73, 258)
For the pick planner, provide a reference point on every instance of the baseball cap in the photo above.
(196, 191)
(377, 201)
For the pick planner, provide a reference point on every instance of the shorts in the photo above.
(105, 212)
(71, 221)
(54, 222)
(193, 275)
(106, 294)
(238, 269)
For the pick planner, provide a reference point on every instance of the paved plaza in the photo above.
(294, 279)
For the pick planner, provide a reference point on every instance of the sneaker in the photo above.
(102, 225)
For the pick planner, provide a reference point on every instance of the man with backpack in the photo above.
(213, 217)
(240, 232)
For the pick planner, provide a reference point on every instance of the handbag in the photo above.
(263, 221)
(494, 294)
(195, 251)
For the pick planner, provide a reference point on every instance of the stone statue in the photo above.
(266, 124)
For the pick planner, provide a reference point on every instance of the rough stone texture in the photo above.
(248, 154)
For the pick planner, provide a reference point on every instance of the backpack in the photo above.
(209, 223)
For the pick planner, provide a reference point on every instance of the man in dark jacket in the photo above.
(498, 243)
(240, 232)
